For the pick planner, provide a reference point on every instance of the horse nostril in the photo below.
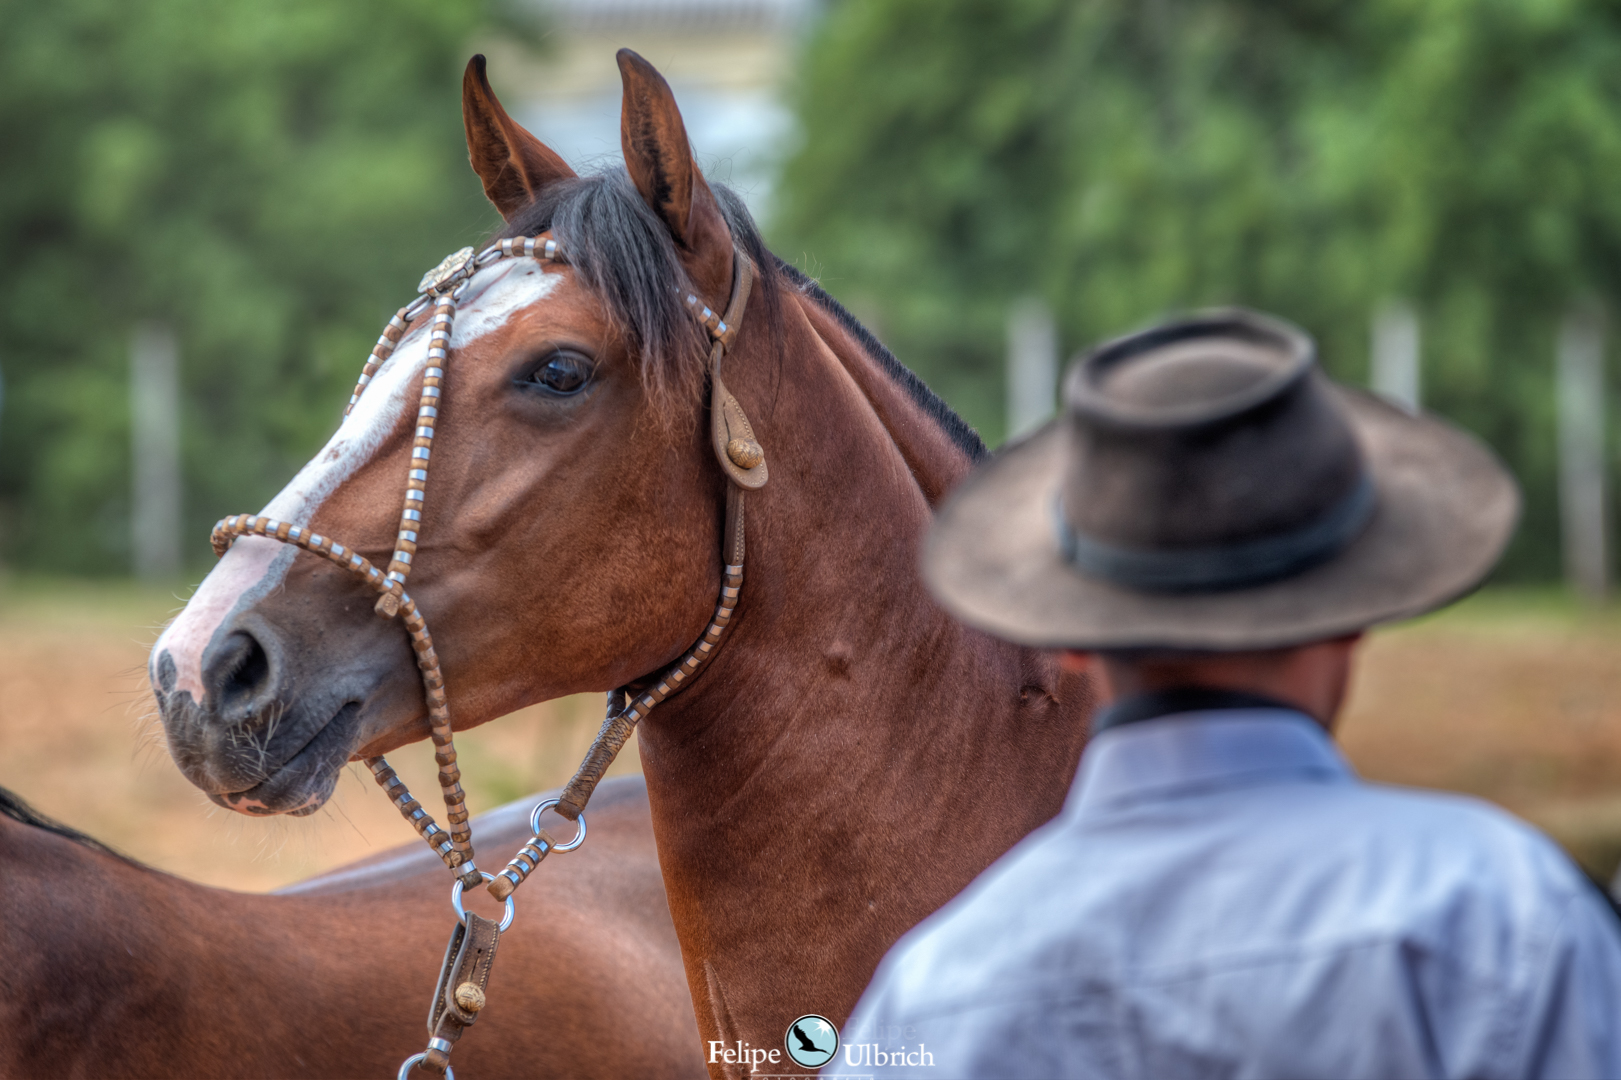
(165, 674)
(241, 670)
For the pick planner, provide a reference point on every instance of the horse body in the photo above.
(108, 968)
(848, 761)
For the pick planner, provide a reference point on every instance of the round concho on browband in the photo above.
(737, 451)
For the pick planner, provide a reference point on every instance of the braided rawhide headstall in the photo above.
(740, 456)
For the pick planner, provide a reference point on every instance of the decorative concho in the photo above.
(456, 265)
(745, 453)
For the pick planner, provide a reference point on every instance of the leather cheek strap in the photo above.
(732, 436)
(742, 460)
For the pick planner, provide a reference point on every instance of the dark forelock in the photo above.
(622, 251)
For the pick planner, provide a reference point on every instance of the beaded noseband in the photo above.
(741, 459)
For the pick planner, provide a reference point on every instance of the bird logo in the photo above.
(811, 1041)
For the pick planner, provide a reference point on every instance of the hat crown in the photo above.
(1192, 372)
(1207, 454)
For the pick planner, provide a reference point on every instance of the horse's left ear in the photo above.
(660, 163)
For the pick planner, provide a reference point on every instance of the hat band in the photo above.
(1224, 566)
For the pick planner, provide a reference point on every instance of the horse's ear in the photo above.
(513, 164)
(660, 163)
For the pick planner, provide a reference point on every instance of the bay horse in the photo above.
(851, 757)
(109, 968)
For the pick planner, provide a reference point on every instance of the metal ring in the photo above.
(417, 1059)
(461, 912)
(534, 825)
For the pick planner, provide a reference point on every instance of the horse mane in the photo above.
(624, 253)
(955, 427)
(13, 806)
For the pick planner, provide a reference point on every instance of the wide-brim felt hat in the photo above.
(1206, 487)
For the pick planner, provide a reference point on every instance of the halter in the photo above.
(472, 947)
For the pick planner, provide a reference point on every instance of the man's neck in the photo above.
(1311, 678)
(1152, 704)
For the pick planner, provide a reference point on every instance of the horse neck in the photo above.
(853, 756)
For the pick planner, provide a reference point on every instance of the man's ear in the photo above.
(660, 163)
(1076, 662)
(513, 165)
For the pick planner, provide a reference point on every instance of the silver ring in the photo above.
(534, 825)
(417, 1059)
(461, 912)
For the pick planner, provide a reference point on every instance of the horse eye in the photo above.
(562, 373)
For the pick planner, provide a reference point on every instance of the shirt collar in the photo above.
(1191, 752)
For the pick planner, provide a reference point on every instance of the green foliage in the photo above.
(270, 179)
(1125, 158)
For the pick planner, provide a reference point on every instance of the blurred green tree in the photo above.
(1125, 158)
(269, 179)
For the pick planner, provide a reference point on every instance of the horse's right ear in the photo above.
(513, 164)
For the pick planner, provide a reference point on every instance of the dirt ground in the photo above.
(1512, 697)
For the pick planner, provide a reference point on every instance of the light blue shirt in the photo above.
(1222, 897)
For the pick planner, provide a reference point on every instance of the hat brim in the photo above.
(1446, 509)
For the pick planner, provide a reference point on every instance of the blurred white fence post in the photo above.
(1396, 353)
(1032, 366)
(1581, 453)
(154, 403)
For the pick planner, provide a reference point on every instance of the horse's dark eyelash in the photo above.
(549, 355)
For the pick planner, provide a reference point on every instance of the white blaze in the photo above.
(254, 563)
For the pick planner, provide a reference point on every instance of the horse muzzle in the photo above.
(267, 737)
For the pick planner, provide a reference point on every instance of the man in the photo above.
(1216, 523)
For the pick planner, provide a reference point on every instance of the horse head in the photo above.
(568, 539)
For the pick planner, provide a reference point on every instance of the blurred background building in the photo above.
(729, 62)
